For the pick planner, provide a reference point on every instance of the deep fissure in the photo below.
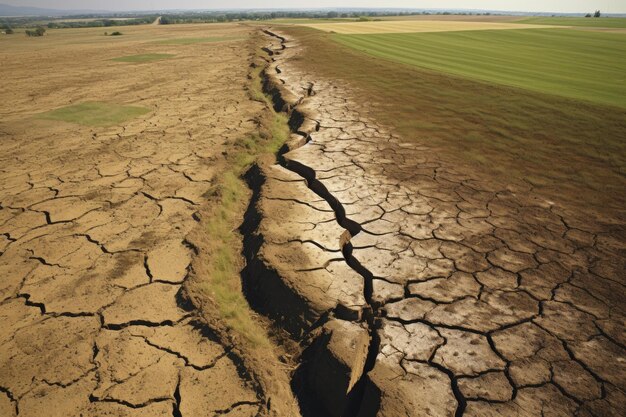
(371, 311)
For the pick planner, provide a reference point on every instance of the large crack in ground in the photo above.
(475, 300)
(370, 312)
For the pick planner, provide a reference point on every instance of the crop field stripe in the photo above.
(417, 26)
(580, 65)
(603, 22)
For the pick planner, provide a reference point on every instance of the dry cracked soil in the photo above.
(411, 287)
(418, 289)
(93, 226)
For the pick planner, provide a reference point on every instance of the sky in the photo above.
(608, 6)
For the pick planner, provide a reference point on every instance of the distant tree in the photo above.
(588, 15)
(597, 13)
(332, 15)
(116, 33)
(8, 31)
(39, 31)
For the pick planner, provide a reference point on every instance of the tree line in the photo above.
(212, 17)
(108, 20)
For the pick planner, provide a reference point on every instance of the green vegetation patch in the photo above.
(600, 22)
(576, 64)
(143, 58)
(189, 41)
(95, 114)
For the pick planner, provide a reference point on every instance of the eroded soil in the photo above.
(93, 254)
(420, 289)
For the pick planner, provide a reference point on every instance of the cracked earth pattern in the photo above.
(475, 299)
(93, 256)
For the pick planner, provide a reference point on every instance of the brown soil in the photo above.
(475, 297)
(94, 254)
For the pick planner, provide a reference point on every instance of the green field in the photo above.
(190, 41)
(142, 58)
(576, 64)
(95, 114)
(602, 22)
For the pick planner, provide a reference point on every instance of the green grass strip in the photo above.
(223, 285)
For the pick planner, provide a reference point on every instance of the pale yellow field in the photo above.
(359, 28)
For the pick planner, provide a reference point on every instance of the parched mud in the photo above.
(93, 248)
(416, 289)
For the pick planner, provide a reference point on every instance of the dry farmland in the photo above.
(111, 146)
